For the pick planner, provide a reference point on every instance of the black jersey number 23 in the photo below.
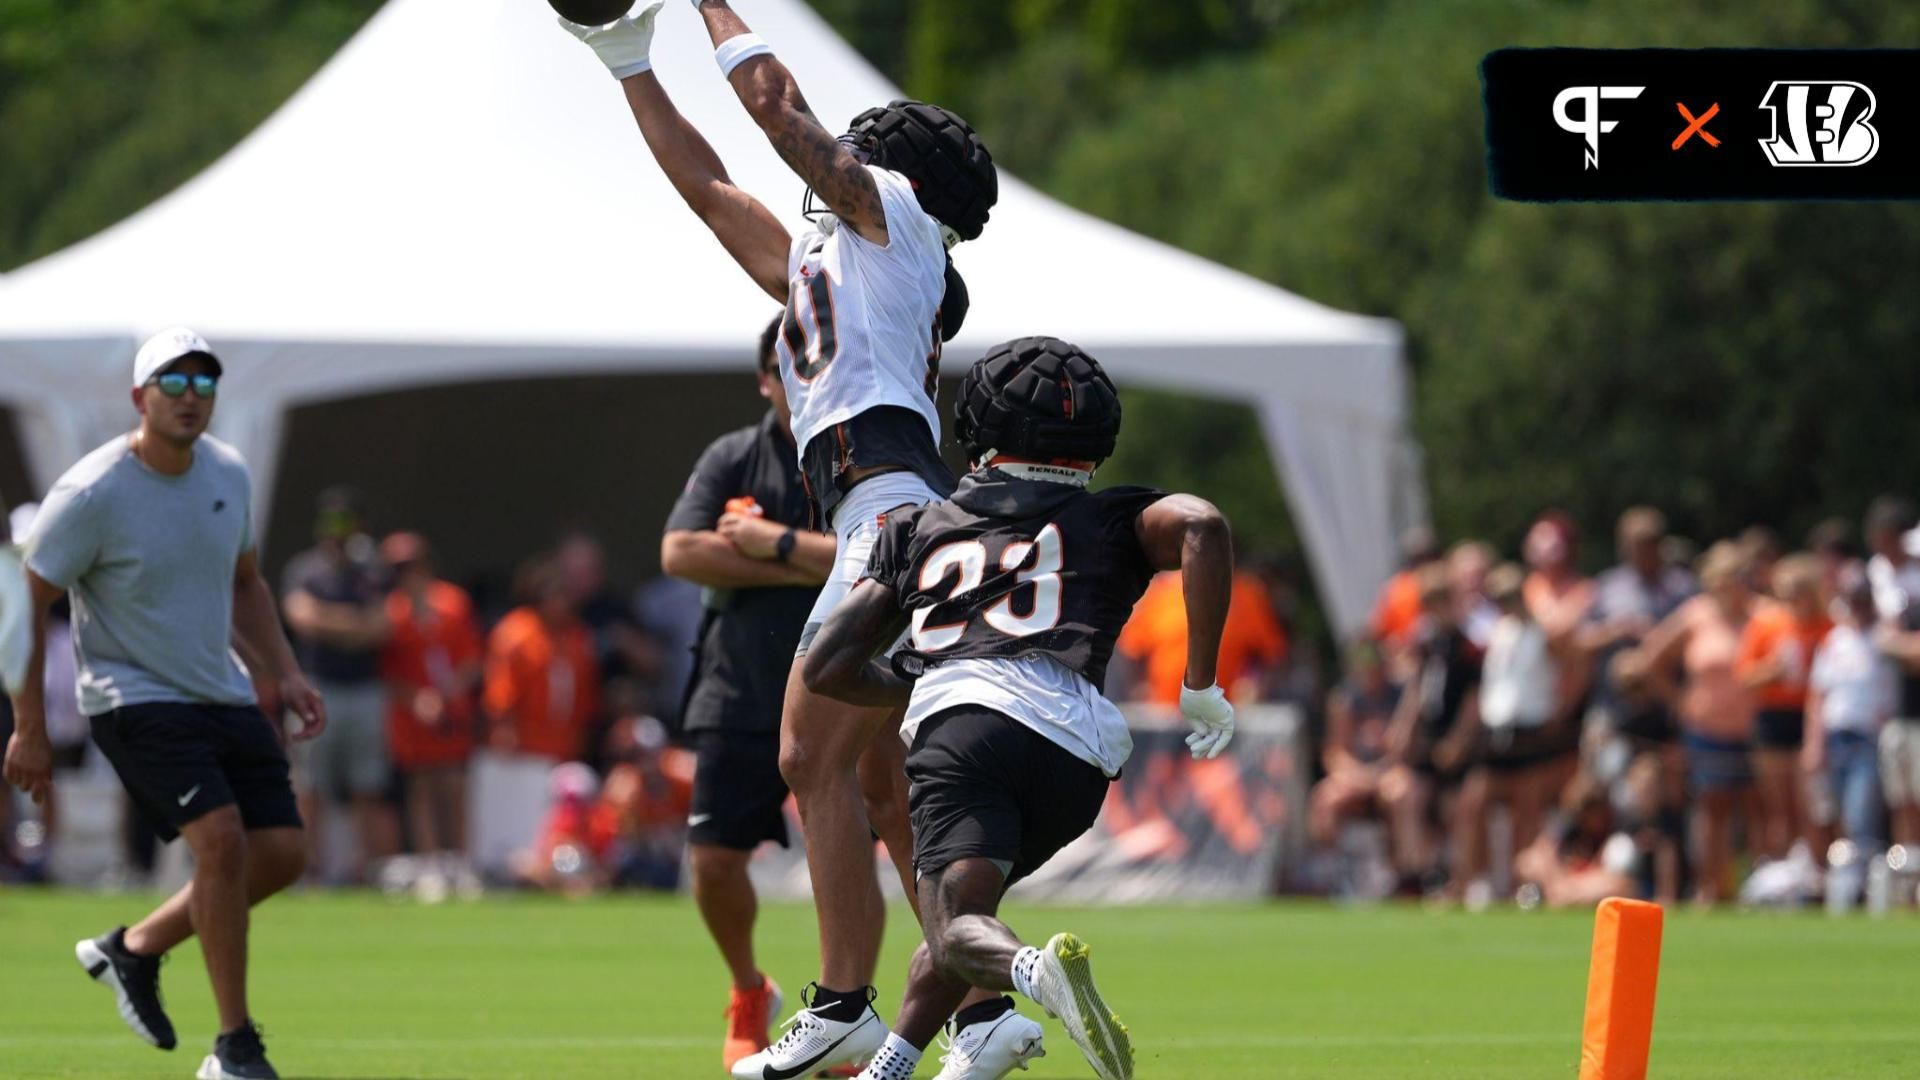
(965, 563)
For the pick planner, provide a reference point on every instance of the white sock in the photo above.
(896, 1060)
(1026, 965)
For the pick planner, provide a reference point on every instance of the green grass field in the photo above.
(356, 986)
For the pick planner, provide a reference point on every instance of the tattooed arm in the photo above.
(773, 99)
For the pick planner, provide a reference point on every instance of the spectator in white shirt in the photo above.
(1892, 571)
(1851, 694)
(1526, 695)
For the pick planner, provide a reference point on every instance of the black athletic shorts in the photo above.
(982, 785)
(1779, 729)
(180, 761)
(883, 436)
(1517, 749)
(1650, 726)
(738, 793)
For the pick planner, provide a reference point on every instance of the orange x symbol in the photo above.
(1697, 125)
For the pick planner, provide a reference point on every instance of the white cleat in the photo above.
(813, 1043)
(992, 1048)
(1063, 985)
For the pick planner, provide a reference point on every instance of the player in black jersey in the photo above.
(1013, 593)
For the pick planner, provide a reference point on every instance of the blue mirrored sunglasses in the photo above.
(174, 384)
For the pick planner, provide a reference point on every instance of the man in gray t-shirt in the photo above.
(150, 536)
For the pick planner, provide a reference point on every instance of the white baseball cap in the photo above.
(166, 347)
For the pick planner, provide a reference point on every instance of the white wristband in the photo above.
(738, 50)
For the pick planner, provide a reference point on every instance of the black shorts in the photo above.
(738, 793)
(982, 785)
(1779, 729)
(180, 761)
(1649, 726)
(1517, 749)
(887, 437)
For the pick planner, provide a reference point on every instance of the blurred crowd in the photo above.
(531, 740)
(527, 745)
(1741, 722)
(1734, 722)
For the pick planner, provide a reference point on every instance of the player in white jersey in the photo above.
(870, 295)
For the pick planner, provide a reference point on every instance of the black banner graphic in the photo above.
(1621, 124)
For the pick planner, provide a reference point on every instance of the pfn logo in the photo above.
(1590, 125)
(1826, 124)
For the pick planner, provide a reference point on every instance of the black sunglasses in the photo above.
(173, 384)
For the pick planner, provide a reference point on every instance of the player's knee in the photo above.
(942, 945)
(921, 966)
(281, 860)
(795, 762)
(219, 845)
(714, 865)
(808, 769)
(948, 946)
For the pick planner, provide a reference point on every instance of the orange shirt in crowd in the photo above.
(429, 650)
(1773, 634)
(541, 685)
(1397, 612)
(1156, 635)
(633, 802)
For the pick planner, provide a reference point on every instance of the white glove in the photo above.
(1211, 716)
(623, 44)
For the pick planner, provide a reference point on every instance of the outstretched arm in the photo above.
(841, 661)
(745, 227)
(773, 99)
(755, 239)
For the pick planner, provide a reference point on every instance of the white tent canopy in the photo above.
(460, 195)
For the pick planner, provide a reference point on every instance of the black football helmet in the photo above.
(1038, 398)
(952, 173)
(955, 304)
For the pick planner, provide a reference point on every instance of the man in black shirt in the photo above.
(740, 530)
(1436, 728)
(335, 601)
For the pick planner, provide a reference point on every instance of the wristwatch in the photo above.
(783, 547)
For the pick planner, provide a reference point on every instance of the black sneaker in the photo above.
(135, 981)
(238, 1055)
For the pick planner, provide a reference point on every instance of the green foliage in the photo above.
(1215, 450)
(105, 105)
(878, 28)
(948, 44)
(1154, 31)
(952, 46)
(1732, 363)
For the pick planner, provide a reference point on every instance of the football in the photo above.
(591, 12)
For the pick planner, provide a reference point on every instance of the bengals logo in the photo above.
(1819, 124)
